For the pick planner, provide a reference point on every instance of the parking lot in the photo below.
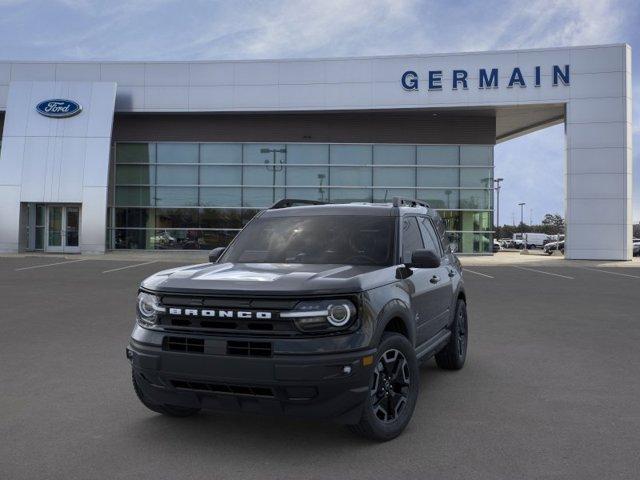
(551, 388)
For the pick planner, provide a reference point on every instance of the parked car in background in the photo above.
(532, 240)
(496, 246)
(551, 247)
(636, 247)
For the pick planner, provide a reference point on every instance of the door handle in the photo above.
(435, 279)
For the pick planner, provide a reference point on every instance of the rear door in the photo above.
(441, 295)
(419, 284)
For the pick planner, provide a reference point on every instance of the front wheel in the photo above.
(453, 356)
(393, 390)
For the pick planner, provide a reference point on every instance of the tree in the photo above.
(553, 219)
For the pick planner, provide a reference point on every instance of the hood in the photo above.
(269, 278)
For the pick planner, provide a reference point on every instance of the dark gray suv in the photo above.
(313, 310)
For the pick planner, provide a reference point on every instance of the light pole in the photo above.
(524, 240)
(497, 182)
(275, 166)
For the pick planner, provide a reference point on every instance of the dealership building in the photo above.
(98, 156)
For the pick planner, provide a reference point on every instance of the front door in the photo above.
(63, 229)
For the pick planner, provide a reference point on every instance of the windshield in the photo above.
(340, 239)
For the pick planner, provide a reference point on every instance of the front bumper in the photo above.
(324, 386)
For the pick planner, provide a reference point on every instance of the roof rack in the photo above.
(408, 202)
(294, 202)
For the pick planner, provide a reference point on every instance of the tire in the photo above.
(393, 390)
(169, 410)
(454, 354)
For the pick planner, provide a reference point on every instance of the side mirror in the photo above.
(215, 254)
(424, 259)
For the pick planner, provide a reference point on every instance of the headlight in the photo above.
(148, 308)
(322, 315)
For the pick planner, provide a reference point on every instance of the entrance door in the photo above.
(63, 229)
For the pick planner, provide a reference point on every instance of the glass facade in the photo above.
(199, 195)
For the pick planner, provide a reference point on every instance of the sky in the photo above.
(532, 166)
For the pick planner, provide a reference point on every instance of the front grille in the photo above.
(274, 326)
(250, 390)
(183, 344)
(249, 349)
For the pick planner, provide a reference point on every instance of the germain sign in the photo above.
(487, 78)
(58, 108)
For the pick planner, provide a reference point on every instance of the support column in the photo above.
(598, 176)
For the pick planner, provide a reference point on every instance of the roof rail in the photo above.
(408, 202)
(294, 202)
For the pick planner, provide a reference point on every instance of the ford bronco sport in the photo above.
(315, 310)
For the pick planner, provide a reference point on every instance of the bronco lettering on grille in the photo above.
(192, 312)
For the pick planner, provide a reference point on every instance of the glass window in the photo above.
(437, 155)
(221, 153)
(351, 176)
(221, 218)
(476, 155)
(451, 219)
(351, 154)
(135, 175)
(316, 239)
(394, 177)
(261, 197)
(319, 194)
(135, 196)
(134, 217)
(305, 176)
(394, 155)
(220, 175)
(177, 175)
(429, 236)
(347, 195)
(411, 239)
(476, 177)
(176, 217)
(270, 170)
(307, 154)
(438, 177)
(177, 196)
(441, 199)
(178, 152)
(476, 199)
(476, 221)
(131, 239)
(39, 245)
(135, 152)
(386, 194)
(220, 197)
(471, 242)
(40, 215)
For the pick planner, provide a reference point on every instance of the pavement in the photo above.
(551, 388)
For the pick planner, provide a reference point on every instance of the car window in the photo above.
(429, 236)
(316, 239)
(411, 238)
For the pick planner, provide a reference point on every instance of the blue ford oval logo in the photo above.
(58, 108)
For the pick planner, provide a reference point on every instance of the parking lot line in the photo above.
(50, 264)
(130, 266)
(477, 273)
(610, 273)
(545, 273)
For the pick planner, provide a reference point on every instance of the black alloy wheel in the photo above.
(391, 384)
(393, 390)
(454, 354)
